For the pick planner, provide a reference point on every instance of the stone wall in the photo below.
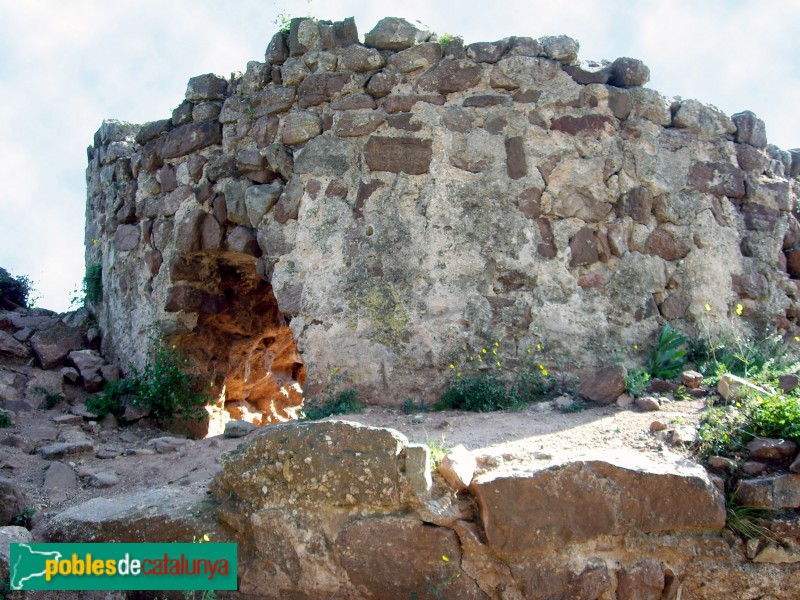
(373, 207)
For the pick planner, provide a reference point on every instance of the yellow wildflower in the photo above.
(707, 307)
(499, 364)
(494, 352)
(636, 346)
(497, 344)
(452, 366)
(538, 346)
(484, 351)
(445, 559)
(458, 374)
(739, 309)
(544, 372)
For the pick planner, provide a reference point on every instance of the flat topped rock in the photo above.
(334, 463)
(576, 499)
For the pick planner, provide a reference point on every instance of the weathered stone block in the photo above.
(449, 76)
(750, 129)
(206, 87)
(774, 492)
(567, 503)
(717, 178)
(314, 464)
(300, 126)
(604, 384)
(662, 242)
(392, 33)
(190, 138)
(399, 155)
(320, 87)
(629, 72)
(417, 57)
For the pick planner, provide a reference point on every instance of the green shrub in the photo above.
(17, 290)
(636, 382)
(334, 401)
(5, 419)
(481, 381)
(167, 388)
(437, 451)
(482, 392)
(110, 400)
(725, 430)
(337, 403)
(668, 358)
(760, 360)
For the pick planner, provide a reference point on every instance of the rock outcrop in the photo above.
(340, 510)
(373, 207)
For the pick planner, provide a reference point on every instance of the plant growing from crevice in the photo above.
(25, 518)
(5, 419)
(437, 451)
(91, 290)
(334, 401)
(747, 521)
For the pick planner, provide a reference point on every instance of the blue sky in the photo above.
(67, 65)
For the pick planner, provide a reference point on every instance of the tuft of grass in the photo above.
(577, 405)
(747, 521)
(668, 358)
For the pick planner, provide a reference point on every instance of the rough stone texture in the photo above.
(11, 535)
(311, 464)
(393, 33)
(776, 492)
(414, 189)
(574, 502)
(750, 129)
(52, 345)
(398, 155)
(458, 467)
(629, 72)
(12, 501)
(603, 385)
(159, 515)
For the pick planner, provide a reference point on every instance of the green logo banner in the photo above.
(123, 567)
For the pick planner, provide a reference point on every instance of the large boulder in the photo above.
(574, 501)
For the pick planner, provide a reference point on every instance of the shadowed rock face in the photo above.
(402, 198)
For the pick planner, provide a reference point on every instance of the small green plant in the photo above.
(51, 399)
(669, 356)
(480, 381)
(636, 382)
(334, 402)
(438, 450)
(577, 405)
(110, 399)
(91, 290)
(409, 406)
(5, 419)
(25, 518)
(167, 388)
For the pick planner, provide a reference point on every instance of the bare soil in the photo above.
(140, 461)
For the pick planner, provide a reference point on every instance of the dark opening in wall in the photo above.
(241, 339)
